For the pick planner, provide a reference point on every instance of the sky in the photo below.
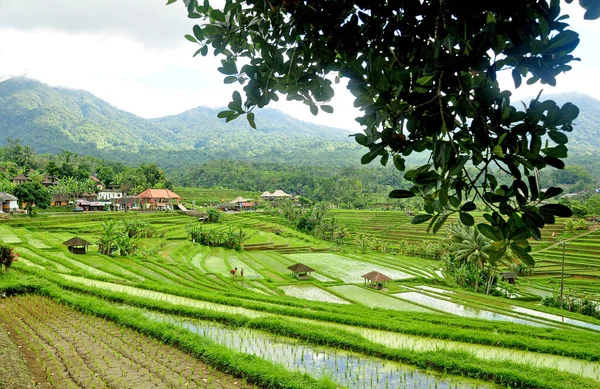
(132, 53)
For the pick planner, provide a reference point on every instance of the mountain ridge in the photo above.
(52, 119)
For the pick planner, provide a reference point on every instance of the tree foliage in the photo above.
(33, 194)
(424, 74)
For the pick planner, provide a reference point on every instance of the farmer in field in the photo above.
(242, 272)
(232, 271)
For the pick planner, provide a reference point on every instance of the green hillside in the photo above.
(52, 119)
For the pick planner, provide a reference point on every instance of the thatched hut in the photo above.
(301, 271)
(77, 245)
(376, 279)
(509, 276)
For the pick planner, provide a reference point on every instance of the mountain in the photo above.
(53, 119)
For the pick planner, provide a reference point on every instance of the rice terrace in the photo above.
(173, 315)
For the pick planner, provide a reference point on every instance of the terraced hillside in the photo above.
(268, 328)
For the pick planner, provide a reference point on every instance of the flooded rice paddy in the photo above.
(351, 370)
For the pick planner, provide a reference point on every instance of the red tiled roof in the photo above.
(158, 194)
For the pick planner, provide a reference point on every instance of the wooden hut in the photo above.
(376, 279)
(509, 276)
(77, 245)
(301, 271)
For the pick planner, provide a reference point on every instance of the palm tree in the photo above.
(362, 242)
(471, 249)
(109, 237)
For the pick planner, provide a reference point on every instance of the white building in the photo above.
(8, 202)
(109, 195)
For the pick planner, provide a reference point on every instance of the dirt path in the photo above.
(65, 349)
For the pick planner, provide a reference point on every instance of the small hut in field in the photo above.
(301, 271)
(376, 279)
(77, 245)
(510, 277)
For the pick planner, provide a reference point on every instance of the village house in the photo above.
(97, 182)
(158, 199)
(49, 181)
(20, 179)
(60, 200)
(8, 202)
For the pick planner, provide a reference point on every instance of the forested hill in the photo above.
(53, 119)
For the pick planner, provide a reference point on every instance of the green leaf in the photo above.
(171, 1)
(498, 151)
(487, 231)
(424, 80)
(558, 137)
(190, 38)
(198, 32)
(231, 117)
(522, 252)
(592, 13)
(554, 162)
(566, 41)
(224, 114)
(217, 15)
(419, 219)
(314, 109)
(516, 75)
(327, 108)
(401, 194)
(399, 162)
(551, 192)
(466, 219)
(230, 79)
(361, 139)
(557, 210)
(250, 118)
(569, 112)
(384, 159)
(367, 158)
(237, 99)
(468, 207)
(440, 222)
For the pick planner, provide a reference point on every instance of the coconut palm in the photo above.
(470, 249)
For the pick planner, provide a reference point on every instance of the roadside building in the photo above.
(109, 194)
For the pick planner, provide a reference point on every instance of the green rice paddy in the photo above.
(418, 321)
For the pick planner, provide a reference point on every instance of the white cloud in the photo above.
(132, 53)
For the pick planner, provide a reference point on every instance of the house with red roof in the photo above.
(158, 199)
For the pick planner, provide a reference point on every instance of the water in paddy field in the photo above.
(351, 370)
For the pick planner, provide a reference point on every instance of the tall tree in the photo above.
(33, 194)
(424, 73)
